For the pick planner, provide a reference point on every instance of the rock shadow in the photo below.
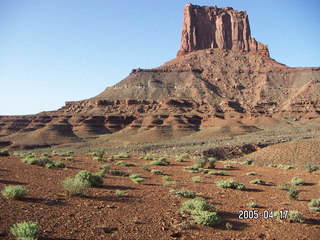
(12, 182)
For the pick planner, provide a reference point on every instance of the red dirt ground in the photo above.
(148, 210)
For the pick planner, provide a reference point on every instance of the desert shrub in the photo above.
(119, 192)
(4, 153)
(185, 193)
(169, 183)
(42, 161)
(135, 175)
(297, 181)
(296, 216)
(196, 179)
(310, 167)
(228, 166)
(70, 158)
(118, 173)
(248, 161)
(203, 213)
(123, 155)
(200, 162)
(104, 169)
(121, 163)
(14, 192)
(285, 186)
(293, 193)
(185, 156)
(251, 173)
(231, 183)
(180, 159)
(145, 167)
(138, 180)
(59, 164)
(160, 162)
(207, 218)
(110, 159)
(314, 204)
(99, 153)
(26, 230)
(75, 186)
(258, 181)
(98, 159)
(273, 165)
(252, 204)
(196, 204)
(221, 173)
(89, 179)
(147, 158)
(166, 178)
(212, 162)
(156, 171)
(287, 167)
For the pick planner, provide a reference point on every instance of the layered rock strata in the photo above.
(212, 27)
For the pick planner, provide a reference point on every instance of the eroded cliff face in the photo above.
(211, 27)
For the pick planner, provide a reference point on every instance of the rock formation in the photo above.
(212, 27)
(219, 89)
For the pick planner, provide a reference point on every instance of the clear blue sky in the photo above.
(52, 51)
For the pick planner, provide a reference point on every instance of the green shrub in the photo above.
(258, 181)
(180, 159)
(104, 169)
(251, 173)
(138, 180)
(200, 162)
(248, 161)
(110, 159)
(166, 178)
(14, 192)
(160, 162)
(196, 204)
(89, 179)
(285, 186)
(147, 158)
(59, 164)
(310, 167)
(119, 192)
(169, 183)
(287, 167)
(145, 167)
(296, 216)
(185, 156)
(252, 204)
(99, 153)
(4, 153)
(297, 181)
(75, 186)
(118, 173)
(135, 175)
(207, 218)
(221, 173)
(231, 183)
(185, 193)
(26, 230)
(122, 155)
(71, 158)
(121, 163)
(156, 171)
(98, 159)
(273, 165)
(212, 162)
(293, 193)
(228, 166)
(196, 179)
(314, 204)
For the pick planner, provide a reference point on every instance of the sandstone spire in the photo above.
(212, 27)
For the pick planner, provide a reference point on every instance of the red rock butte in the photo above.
(211, 27)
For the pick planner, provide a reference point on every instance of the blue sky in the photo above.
(52, 51)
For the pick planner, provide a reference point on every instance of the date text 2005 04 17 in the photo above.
(266, 214)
